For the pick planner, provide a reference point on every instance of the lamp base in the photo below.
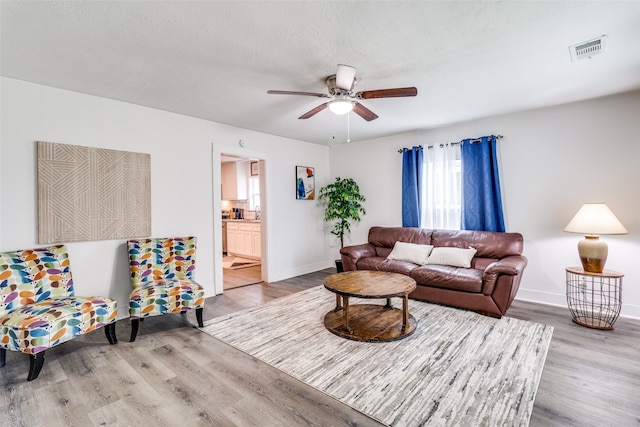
(593, 254)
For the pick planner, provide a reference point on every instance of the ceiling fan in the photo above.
(344, 99)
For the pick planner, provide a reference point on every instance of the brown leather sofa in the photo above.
(488, 287)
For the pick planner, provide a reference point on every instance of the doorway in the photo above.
(242, 231)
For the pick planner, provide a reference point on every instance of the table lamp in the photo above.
(593, 219)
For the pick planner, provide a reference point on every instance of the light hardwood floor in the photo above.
(241, 277)
(175, 375)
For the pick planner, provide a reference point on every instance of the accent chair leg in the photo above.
(3, 356)
(110, 332)
(199, 317)
(35, 365)
(135, 323)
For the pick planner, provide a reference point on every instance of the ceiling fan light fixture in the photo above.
(343, 99)
(341, 106)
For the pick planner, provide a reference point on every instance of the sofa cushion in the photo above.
(33, 328)
(410, 252)
(448, 277)
(489, 244)
(382, 251)
(482, 263)
(456, 257)
(384, 264)
(386, 237)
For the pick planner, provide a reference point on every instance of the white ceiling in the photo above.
(216, 59)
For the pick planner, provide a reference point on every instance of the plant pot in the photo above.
(339, 266)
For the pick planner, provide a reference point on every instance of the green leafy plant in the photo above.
(343, 204)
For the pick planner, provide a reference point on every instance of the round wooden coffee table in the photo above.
(370, 322)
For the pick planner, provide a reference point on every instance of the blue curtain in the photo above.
(411, 186)
(481, 200)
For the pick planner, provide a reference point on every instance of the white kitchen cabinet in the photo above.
(234, 180)
(243, 239)
(232, 233)
(255, 239)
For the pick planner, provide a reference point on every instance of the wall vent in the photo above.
(588, 49)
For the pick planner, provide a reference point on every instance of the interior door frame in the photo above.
(263, 160)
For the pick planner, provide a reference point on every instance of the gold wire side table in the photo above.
(594, 299)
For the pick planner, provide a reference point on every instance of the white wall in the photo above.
(552, 160)
(185, 176)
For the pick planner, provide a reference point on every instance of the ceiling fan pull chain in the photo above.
(349, 127)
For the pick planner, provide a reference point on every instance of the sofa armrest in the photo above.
(352, 254)
(509, 266)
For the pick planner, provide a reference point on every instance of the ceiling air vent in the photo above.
(588, 49)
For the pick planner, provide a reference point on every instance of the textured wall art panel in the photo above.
(87, 194)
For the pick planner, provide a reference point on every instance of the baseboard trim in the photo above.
(560, 300)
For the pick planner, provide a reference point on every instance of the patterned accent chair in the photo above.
(38, 307)
(162, 277)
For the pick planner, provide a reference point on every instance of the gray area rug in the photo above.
(458, 368)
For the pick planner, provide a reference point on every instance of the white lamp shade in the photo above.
(340, 106)
(595, 219)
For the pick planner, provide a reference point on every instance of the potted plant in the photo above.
(343, 205)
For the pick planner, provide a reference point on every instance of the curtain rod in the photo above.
(458, 142)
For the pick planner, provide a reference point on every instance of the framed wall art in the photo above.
(305, 183)
(88, 194)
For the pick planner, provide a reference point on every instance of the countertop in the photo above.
(239, 220)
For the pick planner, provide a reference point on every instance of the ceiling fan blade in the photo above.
(345, 77)
(289, 92)
(314, 111)
(388, 93)
(364, 112)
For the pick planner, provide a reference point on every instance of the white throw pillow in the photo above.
(455, 257)
(410, 252)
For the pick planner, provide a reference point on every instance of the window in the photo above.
(442, 189)
(254, 192)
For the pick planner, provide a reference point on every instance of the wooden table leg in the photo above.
(345, 306)
(338, 303)
(405, 312)
(388, 303)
